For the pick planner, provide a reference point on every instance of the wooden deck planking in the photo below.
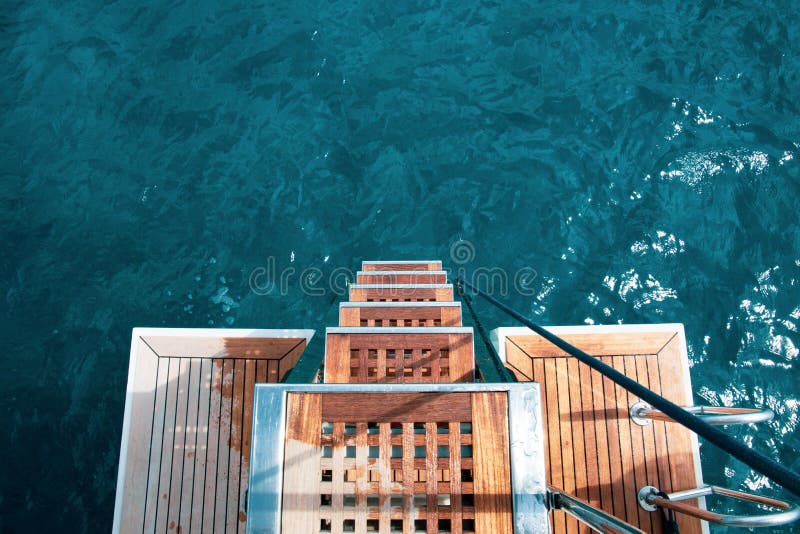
(578, 432)
(168, 444)
(203, 417)
(492, 469)
(188, 446)
(594, 450)
(301, 478)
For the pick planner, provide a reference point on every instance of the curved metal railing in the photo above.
(651, 499)
(643, 414)
(594, 518)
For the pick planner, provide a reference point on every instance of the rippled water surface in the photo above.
(642, 157)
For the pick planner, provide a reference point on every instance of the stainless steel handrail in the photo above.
(643, 414)
(650, 500)
(594, 518)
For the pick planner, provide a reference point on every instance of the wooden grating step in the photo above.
(593, 449)
(399, 355)
(401, 292)
(397, 458)
(402, 265)
(384, 314)
(401, 277)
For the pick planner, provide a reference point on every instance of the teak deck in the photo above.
(595, 451)
(186, 438)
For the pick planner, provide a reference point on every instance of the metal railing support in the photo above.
(643, 414)
(594, 518)
(651, 499)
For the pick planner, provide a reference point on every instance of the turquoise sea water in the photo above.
(641, 157)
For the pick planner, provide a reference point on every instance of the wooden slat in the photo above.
(273, 371)
(247, 428)
(556, 473)
(431, 478)
(222, 347)
(455, 489)
(594, 448)
(178, 444)
(385, 470)
(451, 316)
(337, 497)
(223, 456)
(409, 293)
(362, 453)
(600, 344)
(648, 439)
(337, 359)
(407, 277)
(614, 447)
(400, 315)
(235, 447)
(349, 316)
(615, 456)
(578, 431)
(627, 453)
(198, 480)
(673, 370)
(261, 372)
(301, 476)
(389, 266)
(408, 476)
(492, 471)
(215, 403)
(156, 450)
(567, 445)
(170, 417)
(405, 408)
(191, 434)
(462, 364)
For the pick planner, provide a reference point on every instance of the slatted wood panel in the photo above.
(401, 277)
(406, 462)
(401, 293)
(188, 452)
(594, 451)
(400, 316)
(389, 266)
(399, 358)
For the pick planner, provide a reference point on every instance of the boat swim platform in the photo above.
(189, 429)
(594, 450)
(184, 459)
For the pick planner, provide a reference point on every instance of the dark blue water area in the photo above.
(641, 157)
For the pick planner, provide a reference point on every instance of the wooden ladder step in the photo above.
(402, 265)
(404, 354)
(401, 277)
(384, 314)
(401, 292)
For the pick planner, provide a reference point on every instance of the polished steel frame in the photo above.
(526, 439)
